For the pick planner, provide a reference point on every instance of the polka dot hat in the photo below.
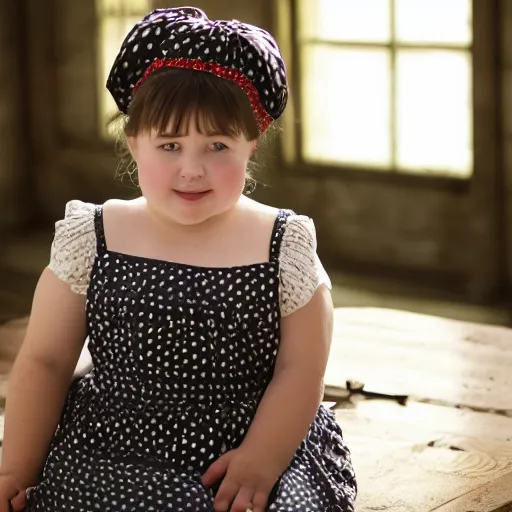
(185, 38)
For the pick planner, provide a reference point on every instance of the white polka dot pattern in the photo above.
(187, 33)
(181, 358)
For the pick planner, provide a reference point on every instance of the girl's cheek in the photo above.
(152, 172)
(229, 162)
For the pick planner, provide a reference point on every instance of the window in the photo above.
(116, 18)
(385, 84)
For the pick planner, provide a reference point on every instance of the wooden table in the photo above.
(449, 449)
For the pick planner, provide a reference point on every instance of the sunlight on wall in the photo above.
(387, 90)
(116, 18)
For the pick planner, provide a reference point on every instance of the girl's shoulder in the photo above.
(80, 215)
(255, 211)
(74, 243)
(301, 271)
(262, 213)
(296, 228)
(77, 222)
(119, 213)
(76, 209)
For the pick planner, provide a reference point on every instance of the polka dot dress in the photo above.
(182, 356)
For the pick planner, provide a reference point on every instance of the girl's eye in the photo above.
(218, 146)
(171, 146)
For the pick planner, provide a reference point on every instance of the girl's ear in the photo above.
(254, 147)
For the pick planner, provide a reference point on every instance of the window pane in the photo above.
(110, 5)
(345, 105)
(123, 7)
(434, 112)
(434, 21)
(116, 18)
(345, 20)
(112, 34)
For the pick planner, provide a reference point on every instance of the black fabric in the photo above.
(187, 33)
(182, 356)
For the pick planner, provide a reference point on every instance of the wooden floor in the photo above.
(449, 449)
(425, 405)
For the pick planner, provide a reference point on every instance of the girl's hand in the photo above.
(11, 494)
(248, 480)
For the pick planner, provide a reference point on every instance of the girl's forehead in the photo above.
(193, 127)
(191, 133)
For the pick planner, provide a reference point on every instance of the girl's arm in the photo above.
(41, 377)
(291, 400)
(285, 413)
(296, 390)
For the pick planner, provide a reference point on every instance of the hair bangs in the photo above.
(171, 100)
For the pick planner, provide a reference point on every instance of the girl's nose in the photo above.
(192, 171)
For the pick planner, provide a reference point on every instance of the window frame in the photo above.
(485, 112)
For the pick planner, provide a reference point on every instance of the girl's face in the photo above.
(193, 178)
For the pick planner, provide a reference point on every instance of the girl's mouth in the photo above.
(192, 196)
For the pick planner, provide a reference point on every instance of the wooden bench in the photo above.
(449, 448)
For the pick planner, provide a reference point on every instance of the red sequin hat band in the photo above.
(227, 73)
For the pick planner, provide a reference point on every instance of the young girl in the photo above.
(208, 314)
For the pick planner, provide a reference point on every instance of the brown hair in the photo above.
(170, 99)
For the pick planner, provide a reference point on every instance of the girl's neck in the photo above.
(203, 229)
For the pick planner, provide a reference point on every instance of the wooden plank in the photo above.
(406, 478)
(417, 422)
(495, 497)
(430, 358)
(418, 460)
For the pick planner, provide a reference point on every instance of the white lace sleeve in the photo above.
(74, 246)
(301, 272)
